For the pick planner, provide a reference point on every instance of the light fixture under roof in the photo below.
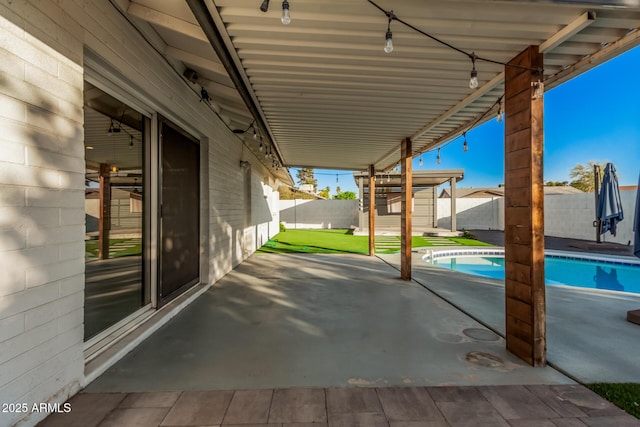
(473, 81)
(286, 16)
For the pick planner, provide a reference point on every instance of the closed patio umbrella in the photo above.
(636, 223)
(609, 204)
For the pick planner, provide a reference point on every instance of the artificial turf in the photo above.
(341, 241)
(624, 395)
(317, 241)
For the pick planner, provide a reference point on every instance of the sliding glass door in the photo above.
(179, 212)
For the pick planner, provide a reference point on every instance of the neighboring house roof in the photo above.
(473, 192)
(628, 187)
(566, 189)
(499, 191)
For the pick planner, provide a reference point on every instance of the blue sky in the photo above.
(595, 116)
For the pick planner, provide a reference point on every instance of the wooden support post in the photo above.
(454, 225)
(372, 211)
(596, 192)
(104, 223)
(406, 201)
(361, 203)
(524, 213)
(435, 207)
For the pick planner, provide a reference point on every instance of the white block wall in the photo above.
(41, 206)
(572, 216)
(44, 47)
(472, 213)
(319, 213)
(565, 215)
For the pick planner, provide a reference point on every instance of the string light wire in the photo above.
(471, 55)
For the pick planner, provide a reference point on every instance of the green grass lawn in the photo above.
(341, 241)
(625, 396)
(317, 241)
(468, 242)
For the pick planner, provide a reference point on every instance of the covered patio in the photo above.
(324, 93)
(386, 213)
(341, 340)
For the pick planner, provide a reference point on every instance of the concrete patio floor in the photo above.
(280, 321)
(333, 340)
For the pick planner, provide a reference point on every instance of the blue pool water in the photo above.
(558, 271)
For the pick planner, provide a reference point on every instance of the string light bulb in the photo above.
(255, 134)
(264, 6)
(114, 168)
(438, 158)
(465, 146)
(286, 16)
(261, 146)
(420, 160)
(131, 142)
(473, 81)
(388, 45)
(500, 111)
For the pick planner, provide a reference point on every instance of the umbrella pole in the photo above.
(596, 179)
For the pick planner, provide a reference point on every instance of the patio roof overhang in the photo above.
(326, 95)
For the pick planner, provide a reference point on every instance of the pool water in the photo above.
(558, 271)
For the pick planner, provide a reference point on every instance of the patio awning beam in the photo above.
(206, 20)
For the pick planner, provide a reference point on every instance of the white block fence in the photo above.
(565, 215)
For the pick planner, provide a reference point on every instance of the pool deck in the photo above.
(588, 336)
(496, 237)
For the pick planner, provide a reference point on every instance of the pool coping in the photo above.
(604, 258)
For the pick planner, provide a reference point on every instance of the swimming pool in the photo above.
(561, 268)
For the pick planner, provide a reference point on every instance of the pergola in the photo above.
(322, 93)
(392, 182)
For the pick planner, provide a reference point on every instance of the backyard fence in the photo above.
(319, 213)
(565, 215)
